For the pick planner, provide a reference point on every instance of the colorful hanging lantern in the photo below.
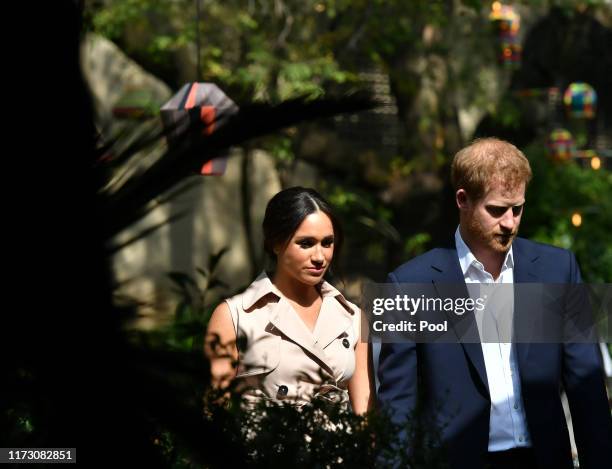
(580, 100)
(206, 105)
(508, 24)
(560, 145)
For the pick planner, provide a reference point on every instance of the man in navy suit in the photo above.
(498, 404)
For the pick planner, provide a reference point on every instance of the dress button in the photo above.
(283, 390)
(346, 343)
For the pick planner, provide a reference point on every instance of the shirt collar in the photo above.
(467, 258)
(263, 286)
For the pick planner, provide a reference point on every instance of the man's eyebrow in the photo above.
(506, 206)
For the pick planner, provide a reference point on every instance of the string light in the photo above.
(576, 219)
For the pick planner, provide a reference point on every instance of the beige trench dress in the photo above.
(280, 358)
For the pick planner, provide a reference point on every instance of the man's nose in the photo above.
(507, 220)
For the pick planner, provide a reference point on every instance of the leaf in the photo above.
(182, 280)
(215, 258)
(215, 282)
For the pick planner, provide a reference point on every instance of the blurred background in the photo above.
(538, 74)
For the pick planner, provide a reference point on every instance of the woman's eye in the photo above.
(327, 243)
(305, 244)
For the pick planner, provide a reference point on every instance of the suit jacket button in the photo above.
(283, 390)
(346, 343)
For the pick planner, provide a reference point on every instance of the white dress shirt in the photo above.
(507, 423)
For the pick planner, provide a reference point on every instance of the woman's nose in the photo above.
(317, 254)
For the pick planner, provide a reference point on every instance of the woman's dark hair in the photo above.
(288, 209)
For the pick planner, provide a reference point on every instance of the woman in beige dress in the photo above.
(293, 336)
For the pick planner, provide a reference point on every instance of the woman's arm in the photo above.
(361, 384)
(220, 347)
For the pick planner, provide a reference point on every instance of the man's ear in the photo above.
(462, 199)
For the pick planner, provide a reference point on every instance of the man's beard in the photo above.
(498, 241)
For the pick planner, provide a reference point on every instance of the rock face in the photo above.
(206, 215)
(112, 77)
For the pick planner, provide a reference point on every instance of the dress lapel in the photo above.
(333, 320)
(286, 320)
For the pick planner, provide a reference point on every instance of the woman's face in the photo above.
(309, 252)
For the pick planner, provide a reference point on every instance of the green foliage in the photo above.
(272, 51)
(192, 312)
(416, 244)
(556, 192)
(508, 113)
(111, 18)
(20, 423)
(319, 434)
(281, 148)
(366, 221)
(374, 214)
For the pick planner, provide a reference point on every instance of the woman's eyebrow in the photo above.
(308, 238)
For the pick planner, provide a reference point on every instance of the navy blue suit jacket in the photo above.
(449, 381)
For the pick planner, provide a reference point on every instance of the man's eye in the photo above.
(497, 211)
(517, 209)
(500, 211)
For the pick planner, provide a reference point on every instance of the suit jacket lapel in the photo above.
(525, 264)
(450, 283)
